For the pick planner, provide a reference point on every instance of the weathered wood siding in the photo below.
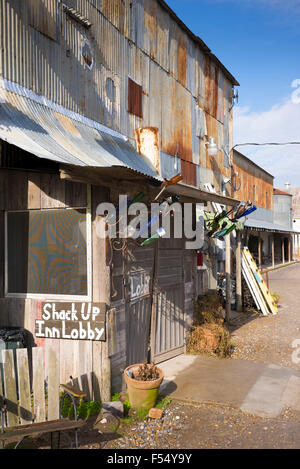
(21, 190)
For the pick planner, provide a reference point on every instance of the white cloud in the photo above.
(280, 124)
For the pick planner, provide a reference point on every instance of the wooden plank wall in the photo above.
(20, 402)
(95, 366)
(20, 190)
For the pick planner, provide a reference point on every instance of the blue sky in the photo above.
(259, 42)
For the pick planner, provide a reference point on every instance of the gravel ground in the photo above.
(211, 426)
(270, 339)
(186, 426)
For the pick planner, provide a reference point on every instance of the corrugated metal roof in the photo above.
(280, 192)
(56, 134)
(201, 195)
(264, 225)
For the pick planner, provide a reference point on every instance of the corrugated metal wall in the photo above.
(139, 39)
(251, 175)
(282, 206)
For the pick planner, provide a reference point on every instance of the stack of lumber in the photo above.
(248, 301)
(256, 285)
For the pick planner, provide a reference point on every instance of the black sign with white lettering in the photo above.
(75, 321)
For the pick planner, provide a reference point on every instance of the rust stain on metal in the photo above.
(177, 133)
(67, 124)
(147, 139)
(150, 18)
(211, 74)
(116, 11)
(215, 76)
(188, 171)
(252, 176)
(182, 59)
(207, 83)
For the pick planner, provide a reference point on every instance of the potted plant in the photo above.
(143, 382)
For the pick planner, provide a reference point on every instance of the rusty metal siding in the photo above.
(43, 16)
(200, 76)
(57, 70)
(189, 173)
(118, 13)
(170, 165)
(181, 70)
(84, 7)
(137, 22)
(176, 119)
(150, 31)
(196, 130)
(148, 146)
(251, 175)
(192, 84)
(182, 58)
(163, 36)
(211, 87)
(220, 104)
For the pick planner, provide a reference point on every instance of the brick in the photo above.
(155, 413)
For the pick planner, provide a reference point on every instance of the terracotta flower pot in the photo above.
(142, 394)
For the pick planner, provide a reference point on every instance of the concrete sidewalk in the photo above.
(254, 387)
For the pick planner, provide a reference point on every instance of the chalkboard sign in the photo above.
(74, 321)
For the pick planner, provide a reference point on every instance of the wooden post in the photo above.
(282, 250)
(238, 260)
(228, 278)
(101, 293)
(267, 280)
(154, 300)
(273, 252)
(259, 252)
(289, 249)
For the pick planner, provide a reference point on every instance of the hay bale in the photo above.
(211, 339)
(208, 334)
(208, 310)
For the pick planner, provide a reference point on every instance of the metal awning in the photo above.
(49, 131)
(198, 195)
(267, 226)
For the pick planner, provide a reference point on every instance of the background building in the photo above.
(269, 230)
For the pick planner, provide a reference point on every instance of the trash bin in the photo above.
(12, 338)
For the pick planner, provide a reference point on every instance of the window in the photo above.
(135, 98)
(47, 252)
